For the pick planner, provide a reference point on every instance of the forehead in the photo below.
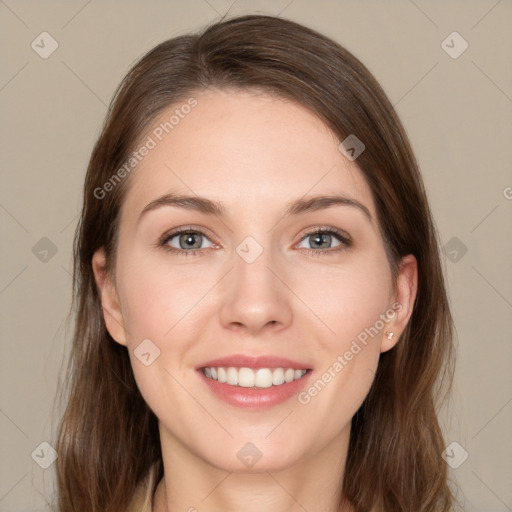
(243, 148)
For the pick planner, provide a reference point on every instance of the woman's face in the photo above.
(250, 285)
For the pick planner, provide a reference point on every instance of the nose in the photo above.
(255, 296)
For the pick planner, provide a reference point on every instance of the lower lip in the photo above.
(255, 398)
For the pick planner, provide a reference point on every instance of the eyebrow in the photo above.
(213, 207)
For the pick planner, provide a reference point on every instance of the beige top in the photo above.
(142, 498)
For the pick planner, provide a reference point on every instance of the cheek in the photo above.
(159, 315)
(350, 303)
(165, 304)
(158, 298)
(347, 298)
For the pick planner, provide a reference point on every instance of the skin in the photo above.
(247, 150)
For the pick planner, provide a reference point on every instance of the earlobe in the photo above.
(110, 304)
(406, 289)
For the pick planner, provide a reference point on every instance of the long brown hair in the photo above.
(108, 437)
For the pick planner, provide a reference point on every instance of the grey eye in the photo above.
(187, 240)
(320, 240)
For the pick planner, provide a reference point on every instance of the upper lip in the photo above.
(254, 362)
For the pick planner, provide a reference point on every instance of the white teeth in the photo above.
(221, 374)
(249, 378)
(263, 378)
(232, 376)
(246, 378)
(278, 376)
(289, 375)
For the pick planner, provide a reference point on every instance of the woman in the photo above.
(224, 358)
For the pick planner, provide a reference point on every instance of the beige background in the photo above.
(457, 113)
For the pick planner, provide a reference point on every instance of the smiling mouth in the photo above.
(253, 378)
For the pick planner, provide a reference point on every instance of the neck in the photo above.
(192, 484)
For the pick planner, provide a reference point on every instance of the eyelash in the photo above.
(345, 242)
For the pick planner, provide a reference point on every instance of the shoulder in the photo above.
(143, 496)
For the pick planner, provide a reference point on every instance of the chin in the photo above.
(253, 457)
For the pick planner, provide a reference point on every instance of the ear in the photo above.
(406, 287)
(110, 304)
